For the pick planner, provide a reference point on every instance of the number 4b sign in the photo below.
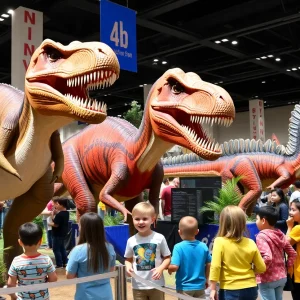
(118, 30)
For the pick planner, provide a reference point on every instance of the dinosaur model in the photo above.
(261, 165)
(56, 93)
(114, 161)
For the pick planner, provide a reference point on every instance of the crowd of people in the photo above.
(237, 268)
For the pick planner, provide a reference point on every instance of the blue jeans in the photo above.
(272, 290)
(242, 294)
(58, 244)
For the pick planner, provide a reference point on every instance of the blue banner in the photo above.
(118, 30)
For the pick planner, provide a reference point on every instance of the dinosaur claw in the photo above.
(5, 165)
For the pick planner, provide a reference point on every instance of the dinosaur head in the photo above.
(180, 103)
(59, 77)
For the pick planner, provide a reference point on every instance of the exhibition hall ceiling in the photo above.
(251, 48)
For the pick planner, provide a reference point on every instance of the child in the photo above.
(293, 236)
(190, 260)
(60, 226)
(147, 253)
(272, 244)
(93, 255)
(235, 258)
(31, 267)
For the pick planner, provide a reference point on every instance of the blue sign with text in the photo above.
(118, 30)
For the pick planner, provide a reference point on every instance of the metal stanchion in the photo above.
(120, 283)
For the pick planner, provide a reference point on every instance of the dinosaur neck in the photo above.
(149, 147)
(37, 125)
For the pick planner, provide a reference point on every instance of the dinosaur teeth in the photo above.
(90, 104)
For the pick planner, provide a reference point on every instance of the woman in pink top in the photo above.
(272, 245)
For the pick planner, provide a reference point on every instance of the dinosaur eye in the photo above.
(53, 54)
(176, 87)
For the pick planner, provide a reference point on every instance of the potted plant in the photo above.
(229, 194)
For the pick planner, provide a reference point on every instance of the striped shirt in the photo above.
(32, 270)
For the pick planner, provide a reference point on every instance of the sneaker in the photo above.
(59, 267)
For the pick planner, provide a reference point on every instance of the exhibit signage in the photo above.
(257, 120)
(118, 30)
(27, 35)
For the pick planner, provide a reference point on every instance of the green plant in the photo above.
(229, 194)
(73, 216)
(39, 221)
(3, 268)
(134, 115)
(113, 220)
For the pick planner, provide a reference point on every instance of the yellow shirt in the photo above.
(295, 235)
(232, 263)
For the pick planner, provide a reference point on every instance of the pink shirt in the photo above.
(271, 244)
(50, 205)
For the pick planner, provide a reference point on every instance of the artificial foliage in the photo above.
(229, 194)
(134, 115)
(110, 220)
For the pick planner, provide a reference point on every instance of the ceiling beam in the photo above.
(164, 8)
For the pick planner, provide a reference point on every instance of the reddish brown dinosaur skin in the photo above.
(115, 162)
(264, 166)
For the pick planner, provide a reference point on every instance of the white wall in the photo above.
(69, 130)
(276, 121)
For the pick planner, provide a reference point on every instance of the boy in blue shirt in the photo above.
(190, 260)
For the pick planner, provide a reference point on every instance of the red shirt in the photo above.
(166, 195)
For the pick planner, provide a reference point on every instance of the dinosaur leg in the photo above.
(245, 168)
(57, 156)
(59, 189)
(130, 205)
(284, 174)
(24, 209)
(74, 181)
(157, 178)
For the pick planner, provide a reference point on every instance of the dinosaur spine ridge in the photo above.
(250, 146)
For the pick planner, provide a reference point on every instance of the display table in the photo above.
(206, 233)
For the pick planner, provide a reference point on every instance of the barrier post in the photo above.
(120, 283)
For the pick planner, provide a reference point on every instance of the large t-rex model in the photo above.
(56, 93)
(115, 162)
(261, 165)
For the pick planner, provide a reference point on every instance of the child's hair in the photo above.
(297, 184)
(63, 202)
(280, 193)
(30, 234)
(145, 208)
(270, 213)
(188, 226)
(92, 233)
(232, 222)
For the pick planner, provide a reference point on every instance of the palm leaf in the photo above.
(229, 194)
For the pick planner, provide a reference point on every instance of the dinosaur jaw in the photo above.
(186, 129)
(69, 96)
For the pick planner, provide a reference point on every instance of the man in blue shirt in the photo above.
(190, 260)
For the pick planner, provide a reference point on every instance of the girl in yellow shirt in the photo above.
(235, 259)
(293, 236)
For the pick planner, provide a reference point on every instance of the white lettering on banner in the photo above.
(119, 36)
(257, 119)
(27, 35)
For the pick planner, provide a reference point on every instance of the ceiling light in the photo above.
(256, 96)
(141, 85)
(270, 55)
(10, 11)
(257, 58)
(265, 102)
(225, 40)
(263, 57)
(155, 59)
(234, 42)
(218, 42)
(263, 82)
(164, 62)
(294, 69)
(1, 19)
(119, 116)
(105, 95)
(299, 68)
(145, 83)
(220, 81)
(278, 59)
(288, 70)
(5, 15)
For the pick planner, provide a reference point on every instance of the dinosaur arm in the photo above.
(116, 180)
(57, 155)
(284, 173)
(157, 178)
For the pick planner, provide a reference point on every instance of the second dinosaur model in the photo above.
(114, 161)
(56, 93)
(261, 165)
